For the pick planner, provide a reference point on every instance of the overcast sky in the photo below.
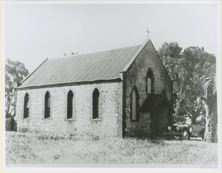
(34, 32)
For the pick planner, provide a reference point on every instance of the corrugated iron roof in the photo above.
(105, 65)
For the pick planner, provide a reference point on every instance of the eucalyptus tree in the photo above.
(193, 72)
(15, 72)
(204, 88)
(179, 71)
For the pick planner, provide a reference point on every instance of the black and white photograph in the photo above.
(111, 86)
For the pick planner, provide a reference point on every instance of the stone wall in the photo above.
(140, 128)
(109, 122)
(136, 76)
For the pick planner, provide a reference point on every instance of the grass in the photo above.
(48, 149)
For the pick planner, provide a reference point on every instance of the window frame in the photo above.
(50, 105)
(137, 104)
(67, 105)
(25, 106)
(93, 101)
(149, 74)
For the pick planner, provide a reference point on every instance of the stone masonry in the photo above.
(114, 98)
(109, 123)
(136, 76)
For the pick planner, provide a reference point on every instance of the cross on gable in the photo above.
(147, 33)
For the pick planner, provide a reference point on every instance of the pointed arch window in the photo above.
(47, 105)
(149, 82)
(95, 104)
(134, 104)
(26, 105)
(70, 105)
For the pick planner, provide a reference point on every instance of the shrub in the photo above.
(10, 124)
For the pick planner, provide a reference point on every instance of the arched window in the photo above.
(69, 104)
(26, 105)
(149, 81)
(95, 104)
(47, 105)
(134, 104)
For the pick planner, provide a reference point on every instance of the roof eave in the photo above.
(68, 84)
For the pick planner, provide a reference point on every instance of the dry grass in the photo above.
(48, 149)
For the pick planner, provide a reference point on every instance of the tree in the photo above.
(179, 70)
(204, 88)
(193, 73)
(15, 72)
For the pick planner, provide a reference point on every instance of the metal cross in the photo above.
(147, 33)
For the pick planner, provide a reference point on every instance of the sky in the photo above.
(33, 32)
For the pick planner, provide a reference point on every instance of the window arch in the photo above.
(70, 105)
(95, 104)
(149, 82)
(47, 105)
(26, 105)
(134, 104)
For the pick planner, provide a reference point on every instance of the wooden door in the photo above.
(154, 124)
(162, 119)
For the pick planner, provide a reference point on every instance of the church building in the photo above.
(115, 93)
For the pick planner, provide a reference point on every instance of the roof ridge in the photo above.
(97, 66)
(71, 56)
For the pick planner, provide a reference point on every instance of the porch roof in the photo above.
(153, 101)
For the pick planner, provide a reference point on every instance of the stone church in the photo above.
(120, 92)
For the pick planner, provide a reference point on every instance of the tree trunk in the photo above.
(15, 100)
(208, 136)
(214, 118)
(8, 107)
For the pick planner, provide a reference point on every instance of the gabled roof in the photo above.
(100, 66)
(153, 101)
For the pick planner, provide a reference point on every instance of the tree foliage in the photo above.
(205, 89)
(15, 72)
(179, 71)
(193, 72)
